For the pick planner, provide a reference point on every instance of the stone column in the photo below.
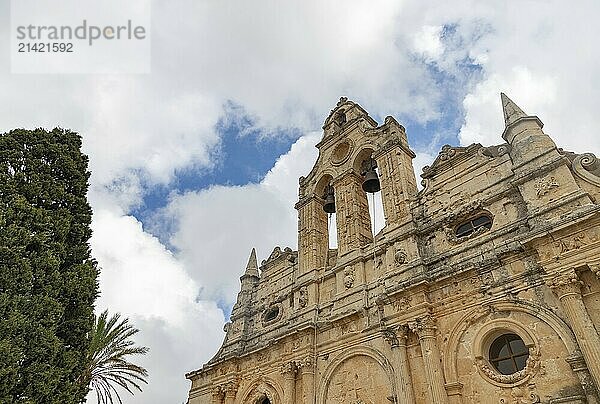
(425, 328)
(288, 370)
(313, 237)
(352, 214)
(398, 183)
(230, 392)
(217, 395)
(397, 340)
(567, 287)
(308, 380)
(578, 365)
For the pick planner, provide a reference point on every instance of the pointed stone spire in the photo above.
(252, 267)
(512, 112)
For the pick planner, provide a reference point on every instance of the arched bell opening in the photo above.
(366, 165)
(326, 192)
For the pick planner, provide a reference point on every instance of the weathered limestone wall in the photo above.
(409, 316)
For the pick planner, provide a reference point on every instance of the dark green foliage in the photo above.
(48, 281)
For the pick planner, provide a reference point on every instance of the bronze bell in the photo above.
(329, 205)
(371, 182)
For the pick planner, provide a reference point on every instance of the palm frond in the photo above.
(108, 365)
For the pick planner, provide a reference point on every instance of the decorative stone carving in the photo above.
(423, 325)
(400, 257)
(447, 155)
(595, 268)
(306, 364)
(395, 336)
(565, 283)
(217, 393)
(348, 277)
(545, 185)
(574, 242)
(303, 297)
(402, 303)
(358, 380)
(496, 151)
(521, 395)
(531, 367)
(288, 368)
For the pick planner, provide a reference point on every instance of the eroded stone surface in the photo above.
(408, 315)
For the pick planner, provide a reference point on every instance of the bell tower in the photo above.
(356, 157)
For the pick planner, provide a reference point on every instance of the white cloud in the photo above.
(285, 63)
(428, 42)
(216, 228)
(144, 282)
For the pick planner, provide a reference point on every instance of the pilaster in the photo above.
(230, 390)
(313, 238)
(578, 365)
(397, 340)
(567, 287)
(352, 214)
(307, 369)
(217, 395)
(397, 179)
(425, 329)
(288, 370)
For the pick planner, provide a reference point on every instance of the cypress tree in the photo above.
(48, 280)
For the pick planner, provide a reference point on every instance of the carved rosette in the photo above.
(566, 284)
(545, 185)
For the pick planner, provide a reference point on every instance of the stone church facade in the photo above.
(483, 287)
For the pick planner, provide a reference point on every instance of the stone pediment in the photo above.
(278, 256)
(448, 156)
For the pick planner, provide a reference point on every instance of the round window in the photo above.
(271, 314)
(508, 354)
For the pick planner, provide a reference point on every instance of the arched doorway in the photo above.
(265, 401)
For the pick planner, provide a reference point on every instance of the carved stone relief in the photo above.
(349, 277)
(359, 380)
(303, 297)
(545, 185)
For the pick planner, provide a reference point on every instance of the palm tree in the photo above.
(107, 361)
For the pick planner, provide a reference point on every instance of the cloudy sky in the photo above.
(197, 162)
